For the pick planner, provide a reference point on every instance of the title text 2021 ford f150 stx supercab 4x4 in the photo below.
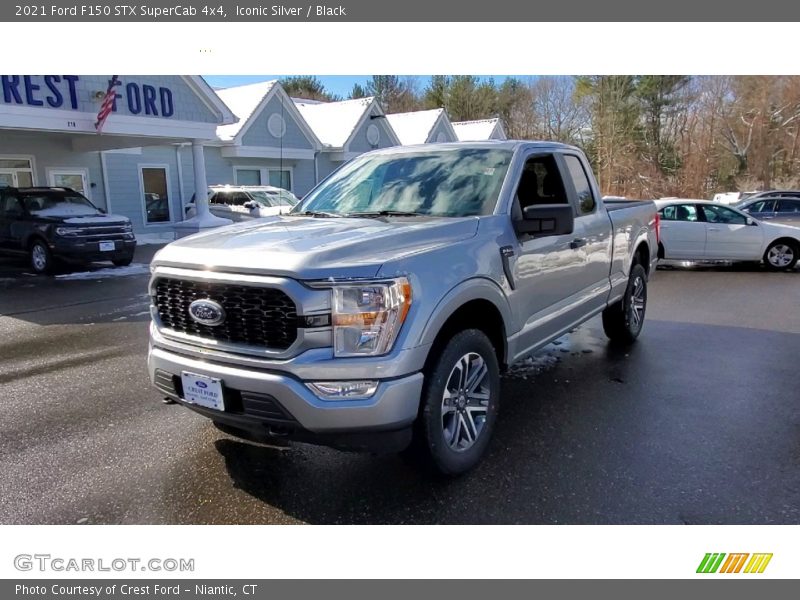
(381, 311)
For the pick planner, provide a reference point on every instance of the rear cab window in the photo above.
(580, 181)
(679, 212)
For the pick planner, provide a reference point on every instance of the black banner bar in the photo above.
(464, 589)
(405, 11)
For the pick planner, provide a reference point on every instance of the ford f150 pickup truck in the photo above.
(379, 314)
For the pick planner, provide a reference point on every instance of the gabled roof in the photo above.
(211, 99)
(416, 127)
(247, 102)
(335, 123)
(482, 129)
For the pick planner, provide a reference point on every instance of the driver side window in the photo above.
(10, 207)
(721, 214)
(540, 183)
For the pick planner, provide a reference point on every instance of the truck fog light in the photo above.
(343, 390)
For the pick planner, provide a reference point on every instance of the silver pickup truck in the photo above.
(379, 314)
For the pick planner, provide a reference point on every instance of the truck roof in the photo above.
(489, 144)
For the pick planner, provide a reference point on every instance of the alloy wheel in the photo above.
(465, 402)
(780, 255)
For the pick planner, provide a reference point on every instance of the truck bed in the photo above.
(612, 205)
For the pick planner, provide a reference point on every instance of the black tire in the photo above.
(621, 322)
(41, 259)
(443, 438)
(122, 262)
(781, 255)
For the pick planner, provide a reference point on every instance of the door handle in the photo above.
(577, 243)
(713, 228)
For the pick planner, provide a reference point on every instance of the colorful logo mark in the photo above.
(734, 563)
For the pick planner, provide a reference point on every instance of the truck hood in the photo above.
(314, 248)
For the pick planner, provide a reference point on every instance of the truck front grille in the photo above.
(256, 316)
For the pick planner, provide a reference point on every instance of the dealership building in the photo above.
(169, 137)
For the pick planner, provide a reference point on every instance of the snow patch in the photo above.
(145, 239)
(134, 269)
(64, 210)
(97, 219)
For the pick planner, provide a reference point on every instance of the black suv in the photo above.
(48, 223)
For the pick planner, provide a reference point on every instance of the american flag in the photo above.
(108, 103)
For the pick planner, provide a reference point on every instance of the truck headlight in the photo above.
(67, 231)
(367, 317)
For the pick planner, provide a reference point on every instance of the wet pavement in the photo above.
(699, 422)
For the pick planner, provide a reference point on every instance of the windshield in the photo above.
(274, 198)
(453, 182)
(58, 205)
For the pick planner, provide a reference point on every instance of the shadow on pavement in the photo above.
(660, 433)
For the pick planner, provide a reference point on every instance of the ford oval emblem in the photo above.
(201, 384)
(207, 312)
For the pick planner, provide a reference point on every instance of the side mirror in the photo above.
(546, 219)
(751, 221)
(250, 205)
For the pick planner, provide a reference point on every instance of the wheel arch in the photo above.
(475, 304)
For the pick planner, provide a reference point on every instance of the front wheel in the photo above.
(460, 403)
(41, 258)
(623, 320)
(781, 255)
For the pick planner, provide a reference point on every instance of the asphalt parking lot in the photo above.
(698, 423)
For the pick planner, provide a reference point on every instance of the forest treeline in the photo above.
(646, 135)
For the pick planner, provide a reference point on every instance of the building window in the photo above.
(16, 172)
(75, 179)
(156, 195)
(248, 176)
(373, 134)
(276, 125)
(281, 179)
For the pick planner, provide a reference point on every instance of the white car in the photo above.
(700, 230)
(245, 202)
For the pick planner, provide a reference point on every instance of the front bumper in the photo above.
(273, 403)
(79, 250)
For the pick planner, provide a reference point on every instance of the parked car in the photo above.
(701, 230)
(776, 210)
(242, 203)
(732, 198)
(771, 194)
(56, 223)
(380, 312)
(157, 208)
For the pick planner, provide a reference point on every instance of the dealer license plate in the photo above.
(202, 390)
(106, 246)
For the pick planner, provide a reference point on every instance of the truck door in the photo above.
(683, 232)
(548, 271)
(593, 233)
(728, 236)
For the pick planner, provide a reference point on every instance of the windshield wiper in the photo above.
(314, 213)
(385, 213)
